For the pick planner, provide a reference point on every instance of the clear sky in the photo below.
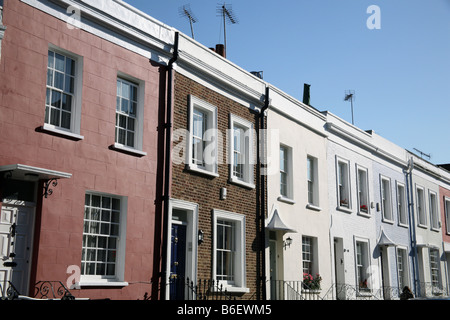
(400, 72)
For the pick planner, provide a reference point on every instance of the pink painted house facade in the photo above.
(80, 150)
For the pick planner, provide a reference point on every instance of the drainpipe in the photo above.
(412, 224)
(166, 197)
(263, 195)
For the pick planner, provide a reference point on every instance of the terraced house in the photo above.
(213, 224)
(82, 97)
(137, 163)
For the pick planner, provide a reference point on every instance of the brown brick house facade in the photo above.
(205, 190)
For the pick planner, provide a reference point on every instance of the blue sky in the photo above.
(400, 73)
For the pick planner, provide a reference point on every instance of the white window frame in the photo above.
(239, 277)
(434, 211)
(308, 254)
(362, 188)
(362, 266)
(138, 119)
(402, 267)
(386, 199)
(421, 208)
(402, 209)
(211, 136)
(344, 203)
(246, 150)
(119, 278)
(288, 197)
(447, 214)
(312, 183)
(75, 121)
(435, 270)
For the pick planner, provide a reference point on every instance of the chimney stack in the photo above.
(220, 49)
(306, 94)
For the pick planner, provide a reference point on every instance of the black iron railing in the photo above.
(52, 290)
(206, 289)
(292, 290)
(8, 291)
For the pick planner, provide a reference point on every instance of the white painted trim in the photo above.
(211, 167)
(191, 235)
(43, 173)
(248, 179)
(240, 283)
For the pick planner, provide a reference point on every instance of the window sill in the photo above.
(286, 200)
(236, 181)
(344, 209)
(99, 283)
(132, 151)
(59, 132)
(313, 207)
(404, 225)
(364, 214)
(194, 168)
(387, 221)
(232, 289)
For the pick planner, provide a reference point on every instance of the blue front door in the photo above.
(177, 262)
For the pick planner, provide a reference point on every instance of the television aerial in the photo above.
(185, 11)
(350, 95)
(422, 154)
(226, 12)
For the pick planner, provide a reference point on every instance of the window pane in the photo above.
(59, 62)
(59, 80)
(124, 106)
(50, 76)
(69, 84)
(56, 99)
(67, 102)
(47, 114)
(130, 139)
(54, 117)
(125, 90)
(70, 67)
(65, 120)
(51, 59)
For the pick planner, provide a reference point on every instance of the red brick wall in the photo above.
(205, 191)
(93, 165)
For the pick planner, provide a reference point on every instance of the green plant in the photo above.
(310, 282)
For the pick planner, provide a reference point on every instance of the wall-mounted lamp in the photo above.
(201, 236)
(287, 242)
(223, 193)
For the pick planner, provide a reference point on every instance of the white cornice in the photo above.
(115, 21)
(199, 62)
(364, 143)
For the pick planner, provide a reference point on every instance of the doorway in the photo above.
(16, 235)
(182, 252)
(178, 261)
(339, 269)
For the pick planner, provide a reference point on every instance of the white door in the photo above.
(15, 244)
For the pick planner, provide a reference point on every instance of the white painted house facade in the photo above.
(369, 232)
(298, 220)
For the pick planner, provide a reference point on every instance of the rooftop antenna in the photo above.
(226, 12)
(185, 11)
(423, 154)
(350, 95)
